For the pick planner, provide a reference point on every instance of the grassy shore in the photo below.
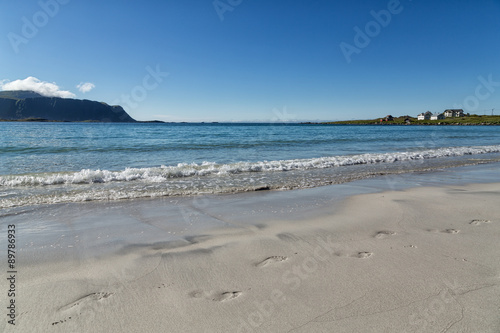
(468, 120)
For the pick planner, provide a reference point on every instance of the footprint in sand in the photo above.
(445, 231)
(359, 255)
(479, 222)
(86, 300)
(384, 234)
(81, 305)
(363, 255)
(226, 296)
(271, 260)
(216, 297)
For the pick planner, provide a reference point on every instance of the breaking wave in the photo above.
(165, 173)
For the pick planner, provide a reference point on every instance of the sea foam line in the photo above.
(183, 170)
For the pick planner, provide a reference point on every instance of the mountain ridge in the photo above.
(26, 104)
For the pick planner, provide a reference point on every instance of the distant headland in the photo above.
(25, 105)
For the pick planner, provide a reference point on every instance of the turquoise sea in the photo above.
(47, 163)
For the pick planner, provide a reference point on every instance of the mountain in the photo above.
(18, 94)
(17, 105)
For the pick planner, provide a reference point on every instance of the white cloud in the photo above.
(85, 87)
(32, 83)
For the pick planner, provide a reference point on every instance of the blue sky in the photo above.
(259, 60)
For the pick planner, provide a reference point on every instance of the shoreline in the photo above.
(372, 122)
(305, 260)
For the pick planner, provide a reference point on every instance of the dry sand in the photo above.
(418, 260)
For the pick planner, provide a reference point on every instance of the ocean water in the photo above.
(48, 163)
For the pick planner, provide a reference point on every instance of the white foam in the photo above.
(184, 170)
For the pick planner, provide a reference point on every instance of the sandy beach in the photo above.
(414, 260)
(235, 166)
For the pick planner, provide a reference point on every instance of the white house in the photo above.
(424, 116)
(453, 113)
(437, 116)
